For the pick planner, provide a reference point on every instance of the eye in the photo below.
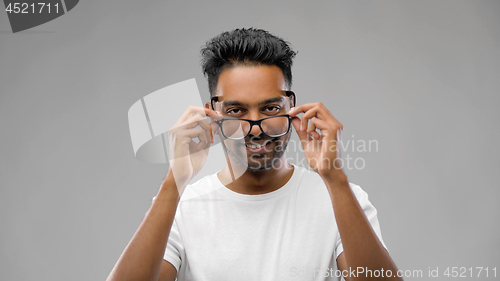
(234, 111)
(272, 109)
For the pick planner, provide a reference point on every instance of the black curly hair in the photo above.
(247, 47)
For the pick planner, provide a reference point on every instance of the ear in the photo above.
(293, 99)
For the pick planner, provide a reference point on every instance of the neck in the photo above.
(256, 182)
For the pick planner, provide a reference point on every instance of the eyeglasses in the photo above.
(272, 127)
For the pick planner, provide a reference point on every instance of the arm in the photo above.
(143, 257)
(167, 272)
(362, 247)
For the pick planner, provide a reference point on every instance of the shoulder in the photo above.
(311, 182)
(202, 188)
(310, 178)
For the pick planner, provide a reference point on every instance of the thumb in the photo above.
(296, 124)
(213, 129)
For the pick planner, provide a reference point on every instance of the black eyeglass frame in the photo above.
(255, 122)
(290, 94)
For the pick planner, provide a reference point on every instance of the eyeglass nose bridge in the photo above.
(257, 123)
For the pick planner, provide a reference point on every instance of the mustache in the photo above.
(264, 140)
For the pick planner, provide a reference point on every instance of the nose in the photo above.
(255, 130)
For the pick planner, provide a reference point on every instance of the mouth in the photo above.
(259, 147)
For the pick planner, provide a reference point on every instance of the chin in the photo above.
(257, 169)
(256, 165)
(262, 166)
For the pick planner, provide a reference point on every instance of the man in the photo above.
(260, 218)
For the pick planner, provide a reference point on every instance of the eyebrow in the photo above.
(238, 103)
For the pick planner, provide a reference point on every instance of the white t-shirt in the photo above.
(287, 234)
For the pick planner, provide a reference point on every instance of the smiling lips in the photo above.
(255, 148)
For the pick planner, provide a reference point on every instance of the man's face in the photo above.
(251, 92)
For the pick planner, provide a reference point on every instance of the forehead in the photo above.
(250, 84)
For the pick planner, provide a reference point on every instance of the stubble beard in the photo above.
(256, 162)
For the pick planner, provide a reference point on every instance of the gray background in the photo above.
(420, 77)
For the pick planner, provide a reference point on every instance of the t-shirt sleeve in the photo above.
(370, 212)
(174, 249)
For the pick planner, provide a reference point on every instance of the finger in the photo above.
(203, 123)
(294, 111)
(214, 130)
(203, 141)
(213, 115)
(308, 115)
(188, 123)
(327, 129)
(311, 129)
(190, 111)
(303, 108)
(296, 124)
(318, 110)
(209, 136)
(203, 111)
(194, 121)
(310, 110)
(319, 124)
(189, 134)
(195, 147)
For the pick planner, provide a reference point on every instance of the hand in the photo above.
(187, 156)
(321, 149)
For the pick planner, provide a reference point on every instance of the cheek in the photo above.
(281, 143)
(284, 139)
(234, 145)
